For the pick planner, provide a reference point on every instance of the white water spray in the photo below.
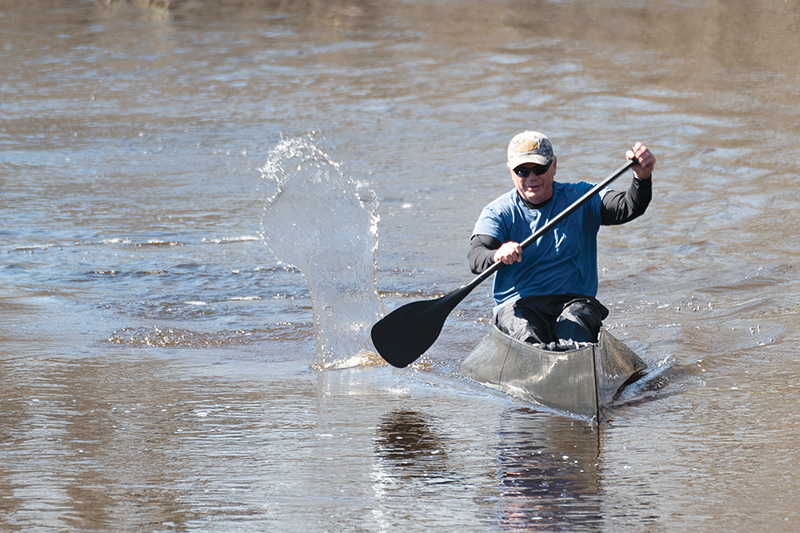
(315, 220)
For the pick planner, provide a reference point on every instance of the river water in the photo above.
(169, 363)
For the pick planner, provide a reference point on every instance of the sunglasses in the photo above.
(538, 170)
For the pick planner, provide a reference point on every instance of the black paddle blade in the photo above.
(407, 332)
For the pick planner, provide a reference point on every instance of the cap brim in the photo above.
(536, 159)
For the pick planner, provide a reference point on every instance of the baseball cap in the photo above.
(529, 147)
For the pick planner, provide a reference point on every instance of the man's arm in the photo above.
(617, 207)
(621, 207)
(481, 252)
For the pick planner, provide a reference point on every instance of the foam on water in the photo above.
(314, 219)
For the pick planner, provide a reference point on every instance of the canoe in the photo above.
(581, 381)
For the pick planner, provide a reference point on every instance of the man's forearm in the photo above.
(481, 253)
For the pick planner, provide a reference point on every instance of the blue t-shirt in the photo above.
(562, 261)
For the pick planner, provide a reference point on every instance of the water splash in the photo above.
(315, 220)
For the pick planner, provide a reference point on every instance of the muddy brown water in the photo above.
(158, 361)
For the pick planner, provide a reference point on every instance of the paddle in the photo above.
(407, 332)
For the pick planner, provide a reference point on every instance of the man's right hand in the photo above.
(508, 253)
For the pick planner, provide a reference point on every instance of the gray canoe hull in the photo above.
(583, 381)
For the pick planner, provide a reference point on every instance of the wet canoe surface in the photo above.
(581, 381)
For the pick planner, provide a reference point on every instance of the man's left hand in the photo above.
(646, 159)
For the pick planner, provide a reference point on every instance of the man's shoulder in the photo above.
(580, 187)
(567, 193)
(504, 201)
(496, 216)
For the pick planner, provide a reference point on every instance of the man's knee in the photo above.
(581, 321)
(586, 310)
(521, 324)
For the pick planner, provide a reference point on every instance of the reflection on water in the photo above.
(413, 466)
(407, 442)
(545, 471)
(111, 438)
(549, 473)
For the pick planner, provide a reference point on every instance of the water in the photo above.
(165, 369)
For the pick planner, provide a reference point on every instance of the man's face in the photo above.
(535, 189)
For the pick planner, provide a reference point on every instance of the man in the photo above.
(546, 294)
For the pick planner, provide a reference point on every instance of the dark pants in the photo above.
(560, 319)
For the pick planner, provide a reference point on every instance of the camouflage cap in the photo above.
(529, 147)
